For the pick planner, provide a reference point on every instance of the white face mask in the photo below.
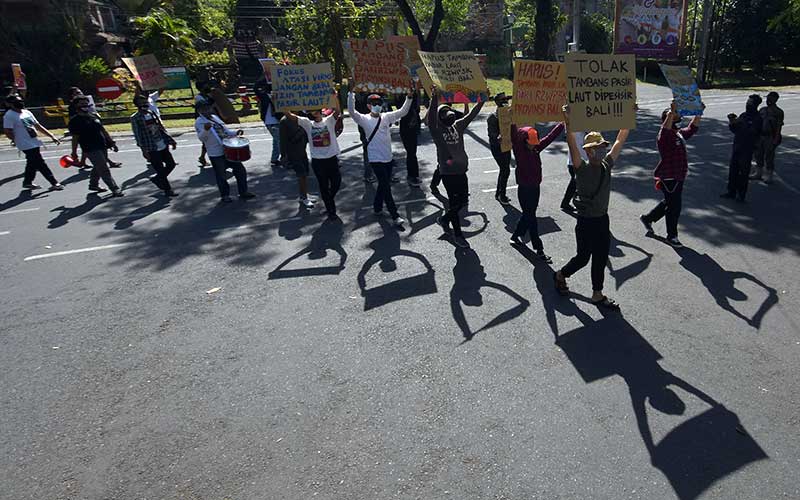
(376, 108)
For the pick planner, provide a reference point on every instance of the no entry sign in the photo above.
(109, 89)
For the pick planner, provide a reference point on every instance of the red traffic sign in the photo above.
(109, 89)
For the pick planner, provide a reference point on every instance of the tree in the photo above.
(437, 15)
(538, 21)
(169, 38)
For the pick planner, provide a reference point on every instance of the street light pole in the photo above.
(576, 23)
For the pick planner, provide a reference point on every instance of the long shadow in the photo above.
(66, 214)
(721, 284)
(546, 225)
(327, 237)
(623, 274)
(693, 456)
(22, 197)
(158, 204)
(470, 277)
(385, 251)
(135, 179)
(11, 178)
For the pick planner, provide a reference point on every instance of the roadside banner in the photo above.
(457, 75)
(177, 78)
(601, 91)
(19, 77)
(684, 89)
(146, 71)
(540, 91)
(377, 66)
(504, 117)
(650, 28)
(302, 86)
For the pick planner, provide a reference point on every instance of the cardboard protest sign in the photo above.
(457, 75)
(540, 91)
(377, 66)
(650, 28)
(504, 117)
(684, 89)
(412, 48)
(19, 77)
(601, 91)
(146, 70)
(266, 64)
(303, 86)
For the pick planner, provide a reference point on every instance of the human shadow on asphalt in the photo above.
(385, 253)
(694, 455)
(327, 236)
(721, 284)
(22, 197)
(140, 213)
(546, 225)
(134, 180)
(11, 178)
(625, 273)
(469, 278)
(65, 214)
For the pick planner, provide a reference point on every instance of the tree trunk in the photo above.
(426, 43)
(542, 44)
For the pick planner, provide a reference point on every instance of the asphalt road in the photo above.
(332, 363)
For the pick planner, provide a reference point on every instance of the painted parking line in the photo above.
(19, 211)
(75, 251)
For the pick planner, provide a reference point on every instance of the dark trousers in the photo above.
(739, 174)
(457, 188)
(220, 165)
(670, 206)
(593, 237)
(100, 170)
(329, 179)
(765, 153)
(363, 137)
(410, 139)
(383, 172)
(529, 202)
(504, 162)
(569, 194)
(163, 163)
(35, 163)
(436, 179)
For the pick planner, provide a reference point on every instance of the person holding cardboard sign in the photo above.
(379, 147)
(592, 232)
(503, 158)
(448, 135)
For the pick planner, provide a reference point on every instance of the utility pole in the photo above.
(702, 61)
(576, 24)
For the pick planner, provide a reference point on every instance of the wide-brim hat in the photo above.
(501, 97)
(594, 139)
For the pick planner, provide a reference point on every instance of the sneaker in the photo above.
(114, 164)
(97, 189)
(395, 179)
(117, 193)
(276, 163)
(57, 187)
(398, 221)
(414, 182)
(675, 242)
(310, 198)
(306, 203)
(544, 257)
(648, 226)
(31, 186)
(247, 196)
(503, 199)
(460, 242)
(516, 241)
(226, 199)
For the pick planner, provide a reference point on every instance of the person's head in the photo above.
(753, 101)
(533, 137)
(141, 102)
(501, 99)
(676, 118)
(81, 104)
(203, 109)
(14, 101)
(204, 88)
(375, 103)
(595, 146)
(316, 115)
(772, 98)
(74, 92)
(446, 115)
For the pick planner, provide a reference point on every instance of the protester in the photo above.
(204, 97)
(362, 106)
(770, 139)
(379, 147)
(271, 119)
(72, 93)
(321, 134)
(502, 158)
(453, 163)
(293, 142)
(211, 131)
(670, 173)
(593, 189)
(527, 149)
(746, 130)
(437, 176)
(152, 103)
(569, 193)
(21, 127)
(88, 131)
(154, 141)
(410, 126)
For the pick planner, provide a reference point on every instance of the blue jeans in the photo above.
(383, 171)
(275, 132)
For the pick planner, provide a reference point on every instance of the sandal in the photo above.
(607, 303)
(561, 285)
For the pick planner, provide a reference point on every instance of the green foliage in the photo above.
(168, 37)
(93, 69)
(198, 59)
(548, 22)
(596, 33)
(208, 18)
(455, 14)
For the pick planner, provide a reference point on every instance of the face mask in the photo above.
(376, 108)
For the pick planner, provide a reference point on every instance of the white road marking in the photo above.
(19, 211)
(509, 188)
(491, 171)
(77, 250)
(3, 233)
(252, 226)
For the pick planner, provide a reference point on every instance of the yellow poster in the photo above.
(504, 117)
(601, 91)
(540, 91)
(457, 75)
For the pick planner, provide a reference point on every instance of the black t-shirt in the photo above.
(89, 131)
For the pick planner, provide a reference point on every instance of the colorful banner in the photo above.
(412, 48)
(146, 71)
(377, 66)
(601, 91)
(177, 78)
(650, 28)
(504, 117)
(684, 89)
(19, 77)
(457, 75)
(301, 87)
(540, 91)
(266, 64)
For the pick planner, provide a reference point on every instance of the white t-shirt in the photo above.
(213, 137)
(269, 119)
(380, 148)
(321, 136)
(21, 123)
(152, 103)
(579, 140)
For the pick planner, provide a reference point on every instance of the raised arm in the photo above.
(351, 108)
(403, 111)
(551, 136)
(463, 123)
(616, 149)
(572, 144)
(433, 113)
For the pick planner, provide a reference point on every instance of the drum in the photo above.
(236, 149)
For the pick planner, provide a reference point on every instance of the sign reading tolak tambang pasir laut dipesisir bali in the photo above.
(601, 91)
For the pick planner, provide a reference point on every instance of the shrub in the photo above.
(91, 70)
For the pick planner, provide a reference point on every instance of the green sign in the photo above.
(177, 78)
